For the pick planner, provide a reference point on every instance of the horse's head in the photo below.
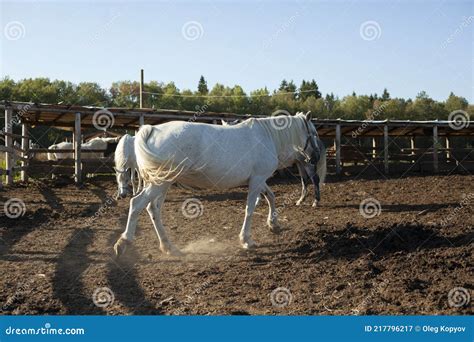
(310, 150)
(123, 177)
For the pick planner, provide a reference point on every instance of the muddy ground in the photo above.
(330, 260)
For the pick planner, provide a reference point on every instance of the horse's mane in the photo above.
(285, 131)
(124, 152)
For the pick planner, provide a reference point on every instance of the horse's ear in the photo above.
(308, 116)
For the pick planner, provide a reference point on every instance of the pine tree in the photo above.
(385, 95)
(202, 86)
(308, 89)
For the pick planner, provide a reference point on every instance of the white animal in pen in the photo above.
(203, 156)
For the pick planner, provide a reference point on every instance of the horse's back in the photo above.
(213, 156)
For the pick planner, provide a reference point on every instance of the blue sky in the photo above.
(416, 45)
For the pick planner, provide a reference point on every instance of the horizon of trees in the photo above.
(221, 98)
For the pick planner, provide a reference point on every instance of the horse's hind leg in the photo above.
(137, 204)
(272, 219)
(256, 185)
(154, 210)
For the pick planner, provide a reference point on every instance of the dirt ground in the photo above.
(330, 260)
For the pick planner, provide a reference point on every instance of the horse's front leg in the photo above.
(304, 188)
(137, 204)
(256, 186)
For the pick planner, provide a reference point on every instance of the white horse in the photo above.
(204, 156)
(126, 166)
(93, 144)
(309, 172)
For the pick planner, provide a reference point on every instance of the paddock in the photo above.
(331, 258)
(403, 253)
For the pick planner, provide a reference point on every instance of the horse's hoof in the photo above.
(171, 250)
(315, 204)
(120, 246)
(298, 203)
(275, 229)
(249, 245)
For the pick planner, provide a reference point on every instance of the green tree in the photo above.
(7, 89)
(309, 89)
(385, 95)
(202, 86)
(454, 102)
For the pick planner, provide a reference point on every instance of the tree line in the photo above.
(221, 98)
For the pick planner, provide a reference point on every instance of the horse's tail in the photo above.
(152, 168)
(321, 166)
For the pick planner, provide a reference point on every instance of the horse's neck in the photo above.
(287, 143)
(131, 158)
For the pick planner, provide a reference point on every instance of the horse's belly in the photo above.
(207, 180)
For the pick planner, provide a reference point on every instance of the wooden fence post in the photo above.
(435, 149)
(25, 147)
(385, 148)
(338, 149)
(77, 149)
(142, 85)
(9, 144)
